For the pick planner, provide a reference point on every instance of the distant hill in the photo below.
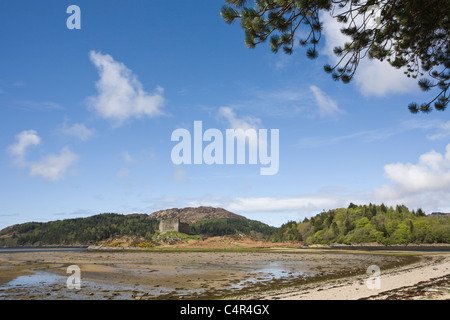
(192, 215)
(440, 214)
(79, 231)
(206, 221)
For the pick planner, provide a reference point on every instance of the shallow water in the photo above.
(40, 249)
(49, 285)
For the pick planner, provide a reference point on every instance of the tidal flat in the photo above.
(176, 275)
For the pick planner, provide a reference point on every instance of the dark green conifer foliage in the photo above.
(410, 34)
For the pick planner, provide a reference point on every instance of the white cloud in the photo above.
(373, 77)
(327, 106)
(244, 123)
(444, 132)
(272, 204)
(39, 106)
(278, 210)
(379, 134)
(282, 103)
(120, 94)
(179, 175)
(122, 174)
(425, 184)
(315, 202)
(24, 140)
(127, 157)
(281, 61)
(53, 167)
(19, 83)
(77, 130)
(238, 123)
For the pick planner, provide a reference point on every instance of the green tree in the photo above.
(412, 35)
(420, 213)
(362, 222)
(401, 234)
(348, 226)
(352, 206)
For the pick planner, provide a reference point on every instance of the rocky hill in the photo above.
(440, 214)
(192, 215)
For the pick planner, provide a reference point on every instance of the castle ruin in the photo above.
(173, 224)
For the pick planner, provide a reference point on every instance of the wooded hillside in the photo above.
(355, 224)
(368, 223)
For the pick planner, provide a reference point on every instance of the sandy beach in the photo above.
(272, 274)
(427, 279)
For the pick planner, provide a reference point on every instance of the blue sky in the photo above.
(87, 117)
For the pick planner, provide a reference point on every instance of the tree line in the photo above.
(94, 229)
(79, 231)
(355, 224)
(222, 227)
(366, 224)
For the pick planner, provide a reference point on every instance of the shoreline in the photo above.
(393, 247)
(427, 279)
(251, 244)
(172, 275)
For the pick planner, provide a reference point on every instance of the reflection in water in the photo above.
(49, 285)
(53, 286)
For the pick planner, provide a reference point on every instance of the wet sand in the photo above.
(183, 275)
(427, 279)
